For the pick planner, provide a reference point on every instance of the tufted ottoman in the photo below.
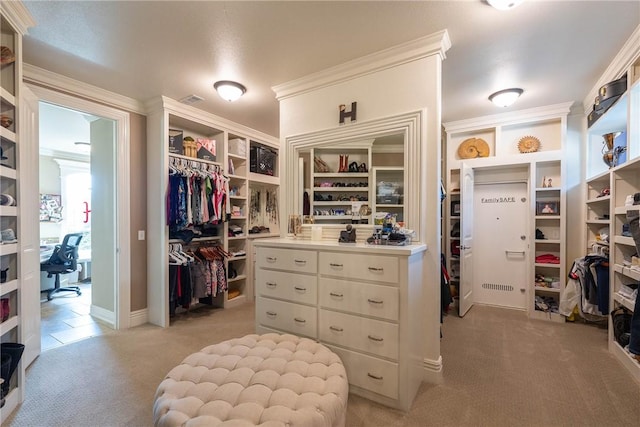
(265, 380)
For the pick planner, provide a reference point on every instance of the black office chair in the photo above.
(63, 260)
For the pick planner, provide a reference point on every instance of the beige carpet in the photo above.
(501, 369)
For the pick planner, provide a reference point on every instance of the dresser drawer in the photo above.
(294, 318)
(372, 336)
(298, 261)
(369, 373)
(377, 268)
(290, 286)
(360, 298)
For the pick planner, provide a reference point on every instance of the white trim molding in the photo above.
(18, 16)
(41, 77)
(122, 289)
(433, 371)
(103, 315)
(437, 43)
(138, 317)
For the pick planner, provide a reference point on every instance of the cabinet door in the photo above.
(29, 230)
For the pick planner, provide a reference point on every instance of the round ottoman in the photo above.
(268, 380)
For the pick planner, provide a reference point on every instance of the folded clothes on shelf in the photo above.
(547, 259)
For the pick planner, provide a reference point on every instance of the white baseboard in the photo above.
(139, 317)
(104, 315)
(433, 371)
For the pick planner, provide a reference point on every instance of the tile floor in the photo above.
(66, 319)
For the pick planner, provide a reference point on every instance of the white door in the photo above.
(466, 240)
(501, 212)
(103, 219)
(29, 228)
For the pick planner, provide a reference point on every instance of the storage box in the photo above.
(175, 142)
(262, 160)
(238, 147)
(206, 149)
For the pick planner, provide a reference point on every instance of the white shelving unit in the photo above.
(333, 192)
(505, 163)
(232, 145)
(13, 26)
(597, 217)
(624, 180)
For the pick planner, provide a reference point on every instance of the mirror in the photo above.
(356, 174)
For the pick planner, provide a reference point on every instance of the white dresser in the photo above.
(364, 302)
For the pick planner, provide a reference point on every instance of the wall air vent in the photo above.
(191, 99)
(497, 287)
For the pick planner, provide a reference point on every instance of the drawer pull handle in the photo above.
(300, 289)
(375, 377)
(332, 264)
(374, 301)
(300, 261)
(372, 338)
(376, 269)
(299, 320)
(272, 259)
(333, 294)
(335, 328)
(271, 284)
(272, 313)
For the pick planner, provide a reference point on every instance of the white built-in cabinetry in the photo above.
(358, 300)
(543, 170)
(623, 180)
(253, 198)
(13, 26)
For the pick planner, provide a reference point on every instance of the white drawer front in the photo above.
(372, 336)
(376, 375)
(360, 298)
(293, 287)
(294, 318)
(362, 267)
(298, 261)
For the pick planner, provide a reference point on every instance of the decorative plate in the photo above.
(6, 55)
(473, 147)
(528, 144)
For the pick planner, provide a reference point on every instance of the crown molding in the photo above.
(434, 44)
(41, 77)
(196, 115)
(537, 114)
(622, 62)
(18, 16)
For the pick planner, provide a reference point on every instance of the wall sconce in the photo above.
(504, 4)
(229, 90)
(506, 97)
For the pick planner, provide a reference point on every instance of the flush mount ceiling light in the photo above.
(229, 90)
(504, 4)
(506, 97)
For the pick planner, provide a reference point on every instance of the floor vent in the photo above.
(497, 287)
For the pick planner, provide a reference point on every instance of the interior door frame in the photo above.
(465, 299)
(122, 289)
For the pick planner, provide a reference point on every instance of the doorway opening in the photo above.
(67, 169)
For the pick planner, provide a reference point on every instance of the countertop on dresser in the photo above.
(345, 247)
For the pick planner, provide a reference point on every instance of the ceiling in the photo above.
(554, 50)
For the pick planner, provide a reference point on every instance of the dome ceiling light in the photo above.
(504, 4)
(506, 97)
(229, 90)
